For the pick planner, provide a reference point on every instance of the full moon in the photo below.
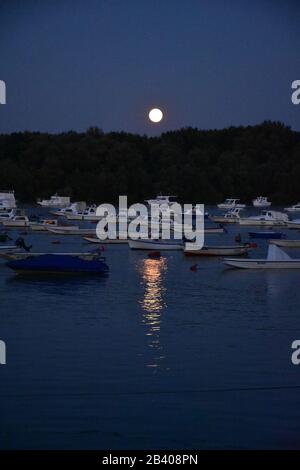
(155, 115)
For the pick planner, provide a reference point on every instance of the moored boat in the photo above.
(70, 230)
(266, 218)
(156, 245)
(206, 250)
(286, 243)
(294, 208)
(72, 209)
(16, 221)
(276, 259)
(106, 241)
(231, 203)
(55, 201)
(7, 200)
(58, 263)
(266, 235)
(261, 201)
(230, 217)
(41, 225)
(294, 224)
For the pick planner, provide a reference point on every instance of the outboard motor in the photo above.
(20, 243)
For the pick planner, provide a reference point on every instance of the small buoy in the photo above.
(194, 268)
(56, 242)
(154, 254)
(253, 245)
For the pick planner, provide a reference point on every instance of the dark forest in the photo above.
(195, 165)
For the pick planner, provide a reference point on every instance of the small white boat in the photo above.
(162, 200)
(231, 203)
(294, 224)
(55, 201)
(234, 250)
(231, 217)
(266, 218)
(276, 259)
(261, 201)
(89, 213)
(7, 215)
(97, 240)
(72, 209)
(70, 230)
(7, 200)
(17, 221)
(41, 226)
(158, 245)
(286, 243)
(294, 208)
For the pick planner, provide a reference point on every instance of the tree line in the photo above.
(195, 165)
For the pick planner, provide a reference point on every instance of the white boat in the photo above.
(72, 209)
(89, 213)
(261, 201)
(276, 259)
(231, 203)
(55, 201)
(17, 221)
(234, 250)
(294, 208)
(294, 224)
(157, 245)
(97, 240)
(230, 217)
(42, 225)
(162, 200)
(7, 215)
(286, 243)
(7, 200)
(70, 230)
(266, 218)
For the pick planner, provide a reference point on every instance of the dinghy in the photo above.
(234, 250)
(70, 230)
(266, 235)
(58, 263)
(105, 242)
(155, 245)
(276, 259)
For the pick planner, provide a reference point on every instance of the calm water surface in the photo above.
(152, 356)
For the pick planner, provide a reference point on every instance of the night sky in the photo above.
(205, 63)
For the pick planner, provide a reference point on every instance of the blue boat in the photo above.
(266, 235)
(58, 263)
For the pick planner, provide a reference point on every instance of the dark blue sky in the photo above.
(206, 63)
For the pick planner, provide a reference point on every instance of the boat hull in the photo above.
(117, 241)
(154, 245)
(218, 251)
(58, 264)
(294, 225)
(261, 223)
(70, 231)
(262, 264)
(224, 220)
(266, 235)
